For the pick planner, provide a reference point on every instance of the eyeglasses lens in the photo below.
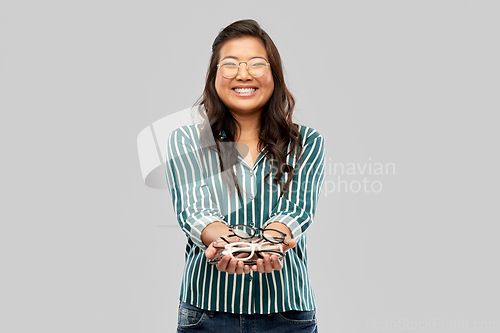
(243, 231)
(243, 252)
(273, 236)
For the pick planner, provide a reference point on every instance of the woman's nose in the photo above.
(243, 72)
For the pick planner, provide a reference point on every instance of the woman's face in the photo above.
(248, 101)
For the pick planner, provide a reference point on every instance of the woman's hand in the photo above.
(210, 237)
(227, 264)
(272, 263)
(267, 264)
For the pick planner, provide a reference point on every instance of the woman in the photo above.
(247, 164)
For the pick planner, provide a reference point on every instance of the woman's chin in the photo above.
(241, 110)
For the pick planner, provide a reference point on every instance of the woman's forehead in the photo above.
(242, 49)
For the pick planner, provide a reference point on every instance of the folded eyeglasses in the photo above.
(269, 241)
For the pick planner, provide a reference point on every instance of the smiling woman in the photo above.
(244, 93)
(248, 166)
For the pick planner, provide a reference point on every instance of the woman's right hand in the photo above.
(211, 235)
(226, 264)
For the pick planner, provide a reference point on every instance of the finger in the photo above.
(231, 267)
(210, 251)
(260, 266)
(239, 267)
(276, 263)
(223, 263)
(246, 269)
(268, 268)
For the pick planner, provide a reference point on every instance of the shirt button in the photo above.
(252, 224)
(251, 173)
(251, 197)
(249, 277)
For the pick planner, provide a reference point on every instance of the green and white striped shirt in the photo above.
(200, 196)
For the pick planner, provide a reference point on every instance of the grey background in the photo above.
(85, 246)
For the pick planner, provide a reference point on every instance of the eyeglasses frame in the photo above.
(251, 248)
(260, 236)
(245, 62)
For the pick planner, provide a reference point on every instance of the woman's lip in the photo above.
(244, 94)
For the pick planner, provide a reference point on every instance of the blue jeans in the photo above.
(193, 319)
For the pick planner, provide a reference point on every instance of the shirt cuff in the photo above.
(290, 222)
(200, 224)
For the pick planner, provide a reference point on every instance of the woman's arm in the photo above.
(213, 232)
(294, 212)
(191, 197)
(297, 207)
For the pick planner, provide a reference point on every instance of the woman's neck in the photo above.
(249, 128)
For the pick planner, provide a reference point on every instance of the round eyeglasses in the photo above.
(247, 232)
(256, 67)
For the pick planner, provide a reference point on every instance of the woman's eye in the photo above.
(258, 62)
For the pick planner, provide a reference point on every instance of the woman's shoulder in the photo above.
(308, 134)
(190, 132)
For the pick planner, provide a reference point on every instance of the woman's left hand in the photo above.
(272, 263)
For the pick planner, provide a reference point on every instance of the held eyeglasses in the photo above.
(256, 67)
(269, 241)
(243, 251)
(247, 232)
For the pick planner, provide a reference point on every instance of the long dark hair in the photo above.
(278, 133)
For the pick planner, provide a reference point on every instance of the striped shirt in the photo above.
(200, 196)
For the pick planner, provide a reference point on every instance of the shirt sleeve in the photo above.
(192, 201)
(297, 207)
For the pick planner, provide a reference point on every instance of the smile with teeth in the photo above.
(244, 90)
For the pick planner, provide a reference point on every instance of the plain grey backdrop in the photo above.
(405, 93)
